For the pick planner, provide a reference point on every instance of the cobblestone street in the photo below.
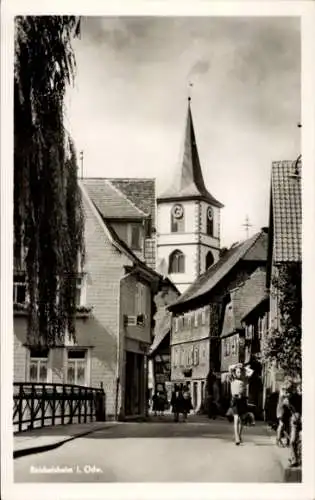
(158, 451)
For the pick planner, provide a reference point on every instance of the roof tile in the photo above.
(254, 248)
(287, 211)
(110, 201)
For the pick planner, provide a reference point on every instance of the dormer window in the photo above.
(177, 219)
(210, 221)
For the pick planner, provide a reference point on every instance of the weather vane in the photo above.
(247, 225)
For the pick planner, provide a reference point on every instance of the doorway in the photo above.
(135, 384)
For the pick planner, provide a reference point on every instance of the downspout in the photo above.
(119, 343)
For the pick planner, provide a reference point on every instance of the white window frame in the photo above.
(17, 284)
(48, 361)
(140, 302)
(82, 287)
(87, 367)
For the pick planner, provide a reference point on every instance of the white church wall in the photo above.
(164, 211)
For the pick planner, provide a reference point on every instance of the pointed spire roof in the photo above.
(188, 182)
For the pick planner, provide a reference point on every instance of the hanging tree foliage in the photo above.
(283, 345)
(48, 214)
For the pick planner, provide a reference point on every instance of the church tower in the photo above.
(188, 219)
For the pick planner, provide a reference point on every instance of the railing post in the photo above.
(80, 402)
(43, 404)
(63, 405)
(85, 404)
(20, 407)
(91, 400)
(100, 404)
(32, 406)
(54, 396)
(71, 404)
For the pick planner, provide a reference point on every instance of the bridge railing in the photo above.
(39, 405)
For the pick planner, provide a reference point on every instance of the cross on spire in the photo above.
(247, 225)
(190, 86)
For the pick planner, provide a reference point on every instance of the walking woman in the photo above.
(175, 402)
(187, 404)
(239, 375)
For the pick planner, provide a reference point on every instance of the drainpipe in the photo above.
(118, 357)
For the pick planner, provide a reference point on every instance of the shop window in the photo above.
(177, 262)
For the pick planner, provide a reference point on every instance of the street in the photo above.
(158, 451)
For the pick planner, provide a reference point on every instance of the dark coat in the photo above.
(179, 403)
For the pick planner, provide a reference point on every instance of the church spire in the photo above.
(188, 182)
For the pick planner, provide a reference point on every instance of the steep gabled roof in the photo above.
(162, 328)
(188, 182)
(286, 210)
(110, 201)
(243, 251)
(243, 299)
(141, 192)
(116, 241)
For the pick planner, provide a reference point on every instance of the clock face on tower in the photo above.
(210, 213)
(178, 211)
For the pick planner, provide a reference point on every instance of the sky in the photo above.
(128, 106)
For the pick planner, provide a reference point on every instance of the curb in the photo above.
(47, 447)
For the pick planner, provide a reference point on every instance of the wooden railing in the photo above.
(40, 405)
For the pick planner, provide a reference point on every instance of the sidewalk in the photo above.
(48, 438)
